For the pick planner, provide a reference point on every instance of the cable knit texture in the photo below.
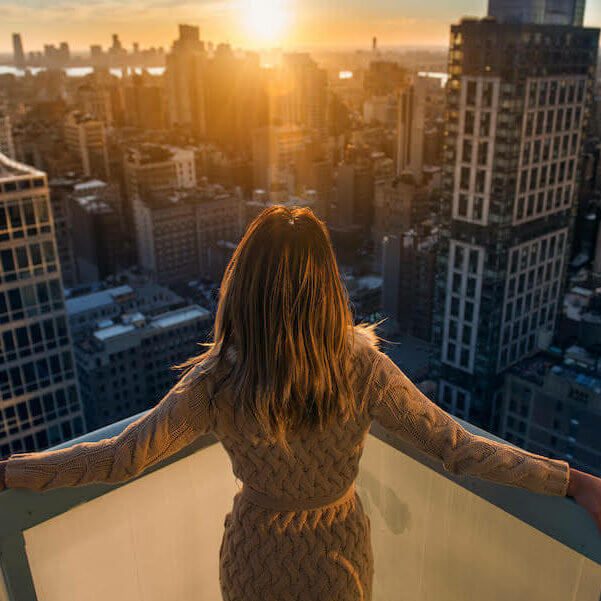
(270, 554)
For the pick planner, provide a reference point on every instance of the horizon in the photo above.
(245, 24)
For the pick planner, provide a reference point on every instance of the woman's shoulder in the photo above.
(366, 344)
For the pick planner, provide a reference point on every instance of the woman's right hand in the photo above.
(586, 491)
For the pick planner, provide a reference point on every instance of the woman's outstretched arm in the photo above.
(399, 406)
(176, 421)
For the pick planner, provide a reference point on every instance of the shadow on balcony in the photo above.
(157, 537)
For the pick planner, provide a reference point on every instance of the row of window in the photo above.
(34, 375)
(54, 434)
(30, 301)
(531, 253)
(479, 93)
(535, 280)
(11, 186)
(539, 123)
(480, 125)
(546, 175)
(36, 411)
(537, 319)
(454, 399)
(550, 148)
(38, 337)
(22, 262)
(553, 92)
(470, 206)
(543, 203)
(481, 149)
(24, 216)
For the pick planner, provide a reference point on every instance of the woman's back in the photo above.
(297, 530)
(318, 463)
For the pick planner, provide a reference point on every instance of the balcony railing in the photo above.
(157, 537)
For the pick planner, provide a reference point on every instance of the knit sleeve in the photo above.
(176, 421)
(398, 405)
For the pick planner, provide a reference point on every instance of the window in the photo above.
(469, 123)
(465, 178)
(485, 123)
(532, 94)
(480, 181)
(478, 208)
(487, 93)
(482, 153)
(471, 93)
(455, 306)
(462, 208)
(459, 254)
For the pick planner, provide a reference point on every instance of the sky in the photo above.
(243, 23)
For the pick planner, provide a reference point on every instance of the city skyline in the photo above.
(246, 23)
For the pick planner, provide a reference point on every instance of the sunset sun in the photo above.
(266, 20)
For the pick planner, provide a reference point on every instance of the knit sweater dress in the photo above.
(297, 530)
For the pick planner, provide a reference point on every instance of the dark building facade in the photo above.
(517, 104)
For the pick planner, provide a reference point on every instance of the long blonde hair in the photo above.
(284, 320)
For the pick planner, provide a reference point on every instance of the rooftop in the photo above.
(110, 329)
(149, 154)
(113, 331)
(93, 204)
(91, 184)
(165, 199)
(95, 300)
(576, 365)
(10, 169)
(177, 317)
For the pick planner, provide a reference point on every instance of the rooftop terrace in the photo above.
(157, 537)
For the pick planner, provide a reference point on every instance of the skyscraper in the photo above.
(410, 128)
(85, 137)
(516, 109)
(306, 100)
(185, 76)
(18, 54)
(39, 398)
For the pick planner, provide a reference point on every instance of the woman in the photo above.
(290, 387)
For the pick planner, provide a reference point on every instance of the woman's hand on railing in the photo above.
(586, 490)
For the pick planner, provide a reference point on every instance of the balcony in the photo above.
(157, 537)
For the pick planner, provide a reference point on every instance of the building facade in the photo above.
(40, 403)
(516, 111)
(175, 230)
(156, 167)
(185, 76)
(126, 365)
(85, 137)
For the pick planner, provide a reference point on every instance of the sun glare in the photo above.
(266, 19)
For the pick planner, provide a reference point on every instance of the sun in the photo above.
(266, 20)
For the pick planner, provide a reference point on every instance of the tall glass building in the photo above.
(39, 400)
(517, 106)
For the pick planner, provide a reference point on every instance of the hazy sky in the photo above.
(255, 23)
